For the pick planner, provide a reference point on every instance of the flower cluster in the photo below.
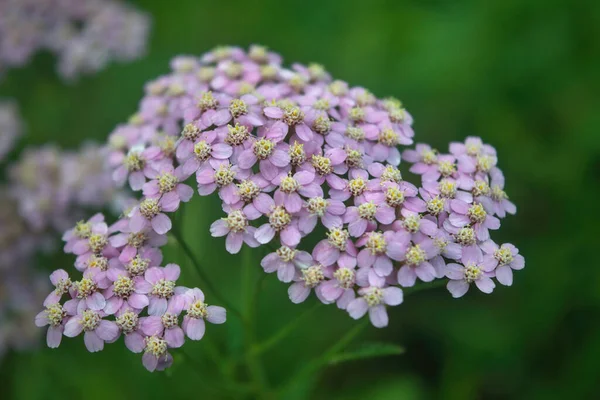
(10, 127)
(290, 151)
(84, 34)
(123, 290)
(286, 149)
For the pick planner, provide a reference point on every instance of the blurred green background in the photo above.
(521, 74)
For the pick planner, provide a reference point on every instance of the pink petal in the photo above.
(135, 342)
(378, 316)
(174, 337)
(54, 336)
(161, 224)
(233, 242)
(73, 327)
(357, 308)
(407, 276)
(264, 234)
(194, 328)
(92, 342)
(138, 301)
(280, 158)
(219, 228)
(216, 315)
(457, 288)
(150, 361)
(172, 272)
(485, 284)
(504, 275)
(96, 301)
(298, 292)
(107, 330)
(392, 296)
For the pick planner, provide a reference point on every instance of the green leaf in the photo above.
(367, 350)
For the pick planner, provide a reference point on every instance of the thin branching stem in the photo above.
(205, 279)
(250, 291)
(284, 331)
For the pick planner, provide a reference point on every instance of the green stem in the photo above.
(207, 282)
(284, 331)
(250, 295)
(313, 366)
(205, 382)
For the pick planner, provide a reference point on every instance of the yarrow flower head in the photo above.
(290, 153)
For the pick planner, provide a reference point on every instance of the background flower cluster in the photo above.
(85, 35)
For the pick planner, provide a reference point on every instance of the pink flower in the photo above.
(357, 187)
(243, 111)
(473, 269)
(473, 215)
(194, 154)
(86, 294)
(126, 292)
(501, 205)
(160, 286)
(235, 227)
(316, 208)
(156, 356)
(337, 248)
(339, 287)
(379, 251)
(95, 242)
(423, 158)
(285, 261)
(414, 224)
(416, 263)
(97, 330)
(281, 222)
(130, 243)
(135, 168)
(150, 213)
(403, 194)
(82, 231)
(364, 217)
(374, 299)
(291, 187)
(62, 283)
(386, 147)
(310, 278)
(445, 167)
(165, 325)
(167, 181)
(54, 316)
(505, 259)
(221, 176)
(271, 157)
(290, 117)
(448, 188)
(197, 311)
(128, 322)
(251, 191)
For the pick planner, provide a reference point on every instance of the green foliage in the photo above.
(367, 350)
(521, 74)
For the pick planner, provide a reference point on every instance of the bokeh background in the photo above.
(523, 74)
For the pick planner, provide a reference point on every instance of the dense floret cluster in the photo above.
(290, 152)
